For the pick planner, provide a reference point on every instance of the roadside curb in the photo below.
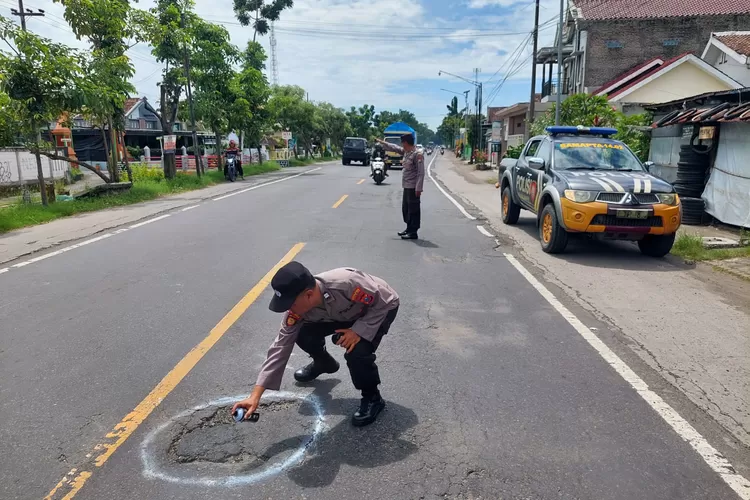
(198, 196)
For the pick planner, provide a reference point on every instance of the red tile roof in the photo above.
(738, 42)
(624, 76)
(131, 103)
(654, 9)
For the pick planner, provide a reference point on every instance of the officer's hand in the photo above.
(419, 194)
(250, 403)
(348, 339)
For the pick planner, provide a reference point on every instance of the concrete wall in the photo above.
(683, 81)
(644, 39)
(19, 166)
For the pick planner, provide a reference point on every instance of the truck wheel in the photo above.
(345, 162)
(655, 245)
(511, 210)
(553, 236)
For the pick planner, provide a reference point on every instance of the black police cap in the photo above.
(288, 282)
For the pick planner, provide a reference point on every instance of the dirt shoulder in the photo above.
(688, 322)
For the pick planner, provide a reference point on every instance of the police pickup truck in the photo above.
(579, 180)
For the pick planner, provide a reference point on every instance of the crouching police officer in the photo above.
(357, 306)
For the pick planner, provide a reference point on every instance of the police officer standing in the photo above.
(412, 180)
(354, 305)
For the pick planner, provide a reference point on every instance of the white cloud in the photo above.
(366, 51)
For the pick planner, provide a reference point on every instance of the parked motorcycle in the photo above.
(377, 170)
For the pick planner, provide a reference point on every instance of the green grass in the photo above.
(690, 246)
(19, 215)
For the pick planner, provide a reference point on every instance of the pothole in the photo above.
(205, 445)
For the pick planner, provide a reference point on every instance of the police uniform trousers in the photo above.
(361, 361)
(412, 212)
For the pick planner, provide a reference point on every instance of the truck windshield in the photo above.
(354, 143)
(595, 156)
(393, 140)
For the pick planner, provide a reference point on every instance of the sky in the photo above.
(387, 53)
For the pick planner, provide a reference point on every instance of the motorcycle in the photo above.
(231, 169)
(377, 170)
(442, 151)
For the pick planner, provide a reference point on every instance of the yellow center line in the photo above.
(341, 200)
(76, 478)
(360, 182)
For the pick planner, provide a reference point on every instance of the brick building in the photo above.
(605, 38)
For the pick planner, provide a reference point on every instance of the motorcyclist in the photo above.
(234, 152)
(379, 152)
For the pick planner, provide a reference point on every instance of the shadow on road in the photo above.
(610, 254)
(424, 243)
(373, 446)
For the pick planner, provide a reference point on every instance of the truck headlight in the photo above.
(668, 198)
(580, 196)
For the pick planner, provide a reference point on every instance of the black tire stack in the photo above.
(692, 175)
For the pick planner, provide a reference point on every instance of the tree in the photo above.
(169, 37)
(260, 13)
(212, 73)
(111, 27)
(42, 80)
(9, 123)
(254, 56)
(590, 110)
(361, 120)
(250, 113)
(290, 110)
(332, 123)
(453, 107)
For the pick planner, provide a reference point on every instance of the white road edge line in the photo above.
(710, 455)
(484, 231)
(264, 184)
(458, 205)
(140, 224)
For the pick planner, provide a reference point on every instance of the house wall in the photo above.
(682, 81)
(736, 70)
(645, 39)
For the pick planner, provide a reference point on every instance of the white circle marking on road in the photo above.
(151, 469)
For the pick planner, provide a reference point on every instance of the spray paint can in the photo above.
(239, 415)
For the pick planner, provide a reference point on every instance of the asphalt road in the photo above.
(490, 392)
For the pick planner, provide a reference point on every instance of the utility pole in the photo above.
(196, 148)
(23, 14)
(532, 100)
(481, 135)
(558, 98)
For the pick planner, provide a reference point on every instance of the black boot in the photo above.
(409, 236)
(316, 368)
(369, 409)
(403, 233)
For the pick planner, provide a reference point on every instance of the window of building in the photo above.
(723, 58)
(614, 44)
(177, 126)
(151, 125)
(134, 124)
(672, 42)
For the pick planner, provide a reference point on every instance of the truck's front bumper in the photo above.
(597, 217)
